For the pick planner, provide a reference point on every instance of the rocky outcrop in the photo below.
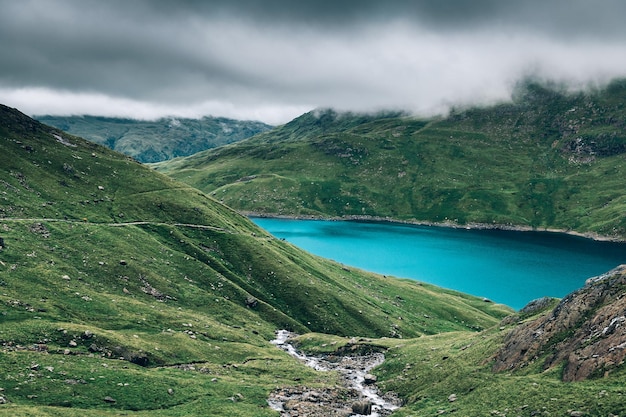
(586, 332)
(536, 306)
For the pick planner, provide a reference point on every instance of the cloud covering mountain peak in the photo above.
(276, 59)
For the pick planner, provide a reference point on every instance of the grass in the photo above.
(457, 365)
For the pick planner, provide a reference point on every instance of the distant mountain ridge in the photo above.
(550, 159)
(159, 140)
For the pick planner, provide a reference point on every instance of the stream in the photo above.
(358, 397)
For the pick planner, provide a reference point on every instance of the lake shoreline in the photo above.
(508, 266)
(448, 224)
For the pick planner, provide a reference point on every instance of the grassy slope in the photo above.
(111, 275)
(152, 141)
(548, 160)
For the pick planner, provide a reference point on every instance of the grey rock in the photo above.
(369, 379)
(362, 407)
(251, 302)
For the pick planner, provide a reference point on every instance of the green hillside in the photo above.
(159, 140)
(123, 291)
(550, 159)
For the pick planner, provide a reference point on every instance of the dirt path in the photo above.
(120, 224)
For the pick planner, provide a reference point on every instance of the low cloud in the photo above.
(235, 59)
(44, 101)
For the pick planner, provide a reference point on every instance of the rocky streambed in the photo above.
(357, 396)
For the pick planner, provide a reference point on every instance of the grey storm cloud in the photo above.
(570, 17)
(274, 59)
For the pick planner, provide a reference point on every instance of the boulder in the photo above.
(362, 407)
(139, 359)
(251, 302)
(537, 305)
(39, 229)
(369, 379)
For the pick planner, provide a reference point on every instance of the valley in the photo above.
(123, 291)
(312, 209)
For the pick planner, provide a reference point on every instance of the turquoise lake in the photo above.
(507, 267)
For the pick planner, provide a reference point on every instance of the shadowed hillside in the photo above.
(159, 140)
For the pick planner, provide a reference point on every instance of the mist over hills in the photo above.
(159, 140)
(549, 159)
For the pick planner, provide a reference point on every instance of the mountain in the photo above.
(124, 291)
(585, 333)
(154, 141)
(550, 159)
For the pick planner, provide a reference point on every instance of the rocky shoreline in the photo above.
(448, 224)
(355, 397)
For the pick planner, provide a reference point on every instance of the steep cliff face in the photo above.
(586, 332)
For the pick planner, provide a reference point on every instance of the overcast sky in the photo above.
(272, 60)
